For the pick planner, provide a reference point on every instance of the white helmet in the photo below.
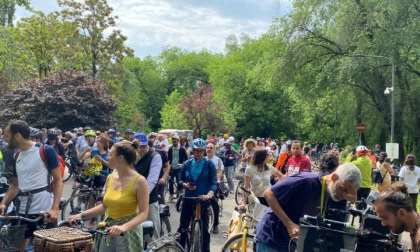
(361, 148)
(231, 139)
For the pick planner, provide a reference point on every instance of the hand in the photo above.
(188, 186)
(230, 158)
(98, 157)
(293, 231)
(53, 215)
(162, 181)
(75, 217)
(116, 231)
(2, 209)
(205, 197)
(88, 149)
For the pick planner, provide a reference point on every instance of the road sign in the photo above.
(392, 149)
(361, 127)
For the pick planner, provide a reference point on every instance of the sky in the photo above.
(153, 25)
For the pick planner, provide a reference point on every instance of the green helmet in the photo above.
(90, 133)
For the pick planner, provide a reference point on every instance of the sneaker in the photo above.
(171, 197)
(215, 230)
(232, 192)
(30, 245)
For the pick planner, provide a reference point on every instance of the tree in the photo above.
(200, 110)
(93, 17)
(8, 8)
(65, 100)
(171, 116)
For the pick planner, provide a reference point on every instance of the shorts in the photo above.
(31, 227)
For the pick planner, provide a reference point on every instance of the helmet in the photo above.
(225, 136)
(129, 131)
(112, 131)
(34, 132)
(52, 134)
(199, 144)
(90, 133)
(361, 150)
(98, 132)
(383, 153)
(86, 128)
(231, 139)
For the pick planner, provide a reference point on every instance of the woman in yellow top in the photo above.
(125, 202)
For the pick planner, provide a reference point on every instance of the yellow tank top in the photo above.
(120, 203)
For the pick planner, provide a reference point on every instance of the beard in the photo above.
(12, 143)
(333, 193)
(399, 228)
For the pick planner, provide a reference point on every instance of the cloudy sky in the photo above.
(152, 25)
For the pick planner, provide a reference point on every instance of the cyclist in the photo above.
(177, 155)
(30, 178)
(129, 133)
(35, 135)
(52, 140)
(365, 166)
(198, 177)
(386, 172)
(125, 203)
(112, 135)
(228, 158)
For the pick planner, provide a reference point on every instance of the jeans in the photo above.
(413, 197)
(186, 214)
(161, 194)
(216, 209)
(229, 176)
(175, 175)
(155, 218)
(261, 247)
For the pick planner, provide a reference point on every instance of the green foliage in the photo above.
(170, 113)
(8, 8)
(65, 100)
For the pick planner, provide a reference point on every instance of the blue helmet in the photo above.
(199, 144)
(112, 131)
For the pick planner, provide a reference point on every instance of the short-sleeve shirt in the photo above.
(217, 162)
(260, 181)
(104, 156)
(33, 174)
(298, 164)
(298, 195)
(410, 178)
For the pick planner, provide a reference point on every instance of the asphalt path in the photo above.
(217, 240)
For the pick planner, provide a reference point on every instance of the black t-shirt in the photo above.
(165, 160)
(8, 157)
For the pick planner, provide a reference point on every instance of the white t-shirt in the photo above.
(217, 162)
(32, 174)
(260, 181)
(410, 178)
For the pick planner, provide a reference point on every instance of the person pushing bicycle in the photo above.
(198, 177)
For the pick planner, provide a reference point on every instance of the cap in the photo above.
(175, 136)
(141, 137)
(231, 139)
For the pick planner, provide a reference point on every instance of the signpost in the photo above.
(392, 149)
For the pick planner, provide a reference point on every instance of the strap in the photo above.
(34, 191)
(44, 159)
(324, 181)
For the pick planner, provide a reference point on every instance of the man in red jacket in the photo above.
(297, 163)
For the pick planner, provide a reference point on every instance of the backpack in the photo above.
(377, 177)
(61, 163)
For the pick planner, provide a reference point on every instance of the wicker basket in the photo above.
(62, 239)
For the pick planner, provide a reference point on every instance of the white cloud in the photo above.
(152, 25)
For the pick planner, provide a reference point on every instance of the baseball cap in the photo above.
(141, 137)
(175, 137)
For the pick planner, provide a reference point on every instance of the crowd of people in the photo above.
(282, 174)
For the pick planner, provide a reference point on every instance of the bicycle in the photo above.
(12, 237)
(211, 211)
(238, 193)
(71, 166)
(171, 180)
(86, 199)
(165, 225)
(240, 234)
(167, 243)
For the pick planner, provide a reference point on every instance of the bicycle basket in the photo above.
(222, 190)
(12, 232)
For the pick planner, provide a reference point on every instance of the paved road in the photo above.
(217, 240)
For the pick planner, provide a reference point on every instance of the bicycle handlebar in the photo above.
(41, 216)
(328, 222)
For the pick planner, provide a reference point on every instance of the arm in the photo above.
(348, 158)
(279, 175)
(165, 173)
(154, 171)
(389, 168)
(143, 205)
(103, 161)
(274, 204)
(247, 185)
(10, 194)
(58, 190)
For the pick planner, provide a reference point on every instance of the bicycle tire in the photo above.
(76, 191)
(165, 226)
(229, 245)
(75, 204)
(178, 205)
(211, 218)
(69, 173)
(197, 237)
(220, 202)
(169, 248)
(238, 193)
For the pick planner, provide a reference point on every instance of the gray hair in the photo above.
(349, 173)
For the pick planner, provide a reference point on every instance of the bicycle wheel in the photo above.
(68, 173)
(197, 237)
(165, 226)
(77, 191)
(234, 243)
(179, 203)
(76, 204)
(220, 202)
(238, 193)
(211, 218)
(169, 248)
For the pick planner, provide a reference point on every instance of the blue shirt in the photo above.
(205, 182)
(105, 169)
(196, 168)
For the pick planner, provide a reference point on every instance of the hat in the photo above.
(141, 137)
(129, 131)
(282, 140)
(225, 136)
(118, 133)
(98, 132)
(80, 128)
(231, 139)
(175, 136)
(75, 129)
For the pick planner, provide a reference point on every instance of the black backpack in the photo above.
(377, 177)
